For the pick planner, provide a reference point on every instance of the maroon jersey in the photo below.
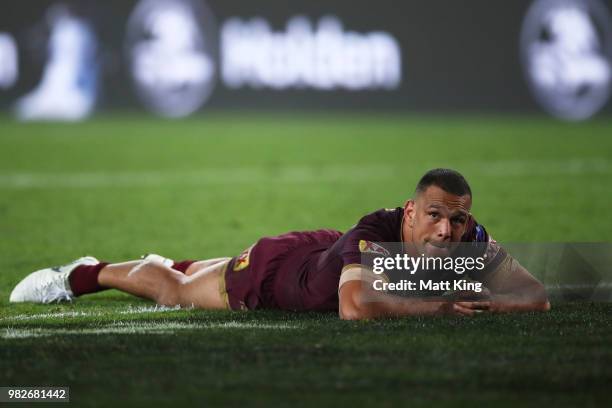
(301, 270)
(267, 274)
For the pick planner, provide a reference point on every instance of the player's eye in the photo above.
(434, 214)
(458, 220)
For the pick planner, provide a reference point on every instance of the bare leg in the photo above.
(199, 265)
(199, 287)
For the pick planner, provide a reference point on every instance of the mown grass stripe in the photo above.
(137, 328)
(288, 174)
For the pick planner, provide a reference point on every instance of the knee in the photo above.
(146, 266)
(168, 282)
(170, 293)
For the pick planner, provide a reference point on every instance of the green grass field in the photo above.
(120, 186)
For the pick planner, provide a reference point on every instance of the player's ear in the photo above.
(409, 211)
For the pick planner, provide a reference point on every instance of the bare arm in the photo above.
(359, 302)
(514, 289)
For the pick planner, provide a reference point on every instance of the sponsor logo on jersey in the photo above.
(372, 248)
(243, 260)
(480, 235)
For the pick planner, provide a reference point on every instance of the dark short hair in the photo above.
(448, 180)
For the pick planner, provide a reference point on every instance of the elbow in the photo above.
(349, 316)
(352, 313)
(540, 306)
(541, 301)
(543, 306)
(354, 316)
(354, 304)
(355, 309)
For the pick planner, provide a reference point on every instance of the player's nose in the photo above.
(444, 229)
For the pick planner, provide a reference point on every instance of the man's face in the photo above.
(435, 221)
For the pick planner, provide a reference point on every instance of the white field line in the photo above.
(562, 286)
(136, 328)
(217, 176)
(67, 315)
(290, 174)
(60, 315)
(566, 167)
(153, 309)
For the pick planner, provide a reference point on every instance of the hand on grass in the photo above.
(464, 308)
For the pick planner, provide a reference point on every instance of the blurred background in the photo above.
(192, 128)
(206, 124)
(67, 60)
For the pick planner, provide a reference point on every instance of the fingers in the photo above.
(472, 295)
(462, 311)
(470, 308)
(477, 305)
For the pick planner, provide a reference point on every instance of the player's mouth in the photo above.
(433, 248)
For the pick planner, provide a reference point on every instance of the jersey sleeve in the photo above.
(483, 245)
(360, 243)
(357, 242)
(364, 238)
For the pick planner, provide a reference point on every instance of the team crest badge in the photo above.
(243, 260)
(372, 248)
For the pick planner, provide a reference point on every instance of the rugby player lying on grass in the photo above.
(315, 270)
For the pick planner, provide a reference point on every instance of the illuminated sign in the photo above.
(68, 87)
(170, 50)
(8, 61)
(566, 52)
(326, 57)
